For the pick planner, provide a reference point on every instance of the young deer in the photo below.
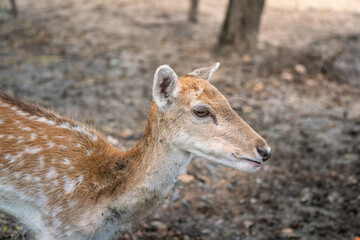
(66, 181)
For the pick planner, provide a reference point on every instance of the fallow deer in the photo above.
(66, 181)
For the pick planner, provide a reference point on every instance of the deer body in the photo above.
(65, 181)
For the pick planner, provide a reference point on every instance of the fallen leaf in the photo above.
(288, 232)
(186, 178)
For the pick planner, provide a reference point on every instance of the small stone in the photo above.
(310, 82)
(126, 133)
(352, 180)
(247, 109)
(288, 232)
(246, 58)
(333, 197)
(161, 228)
(287, 75)
(114, 61)
(259, 87)
(300, 69)
(206, 231)
(248, 224)
(306, 197)
(159, 225)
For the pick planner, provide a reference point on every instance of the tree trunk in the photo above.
(193, 11)
(13, 8)
(241, 25)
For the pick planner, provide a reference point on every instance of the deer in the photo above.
(64, 180)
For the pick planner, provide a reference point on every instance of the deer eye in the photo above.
(201, 112)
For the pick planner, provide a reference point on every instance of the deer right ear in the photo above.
(165, 86)
(206, 72)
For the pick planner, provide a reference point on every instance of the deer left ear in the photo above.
(206, 72)
(165, 87)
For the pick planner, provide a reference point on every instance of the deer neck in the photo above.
(157, 164)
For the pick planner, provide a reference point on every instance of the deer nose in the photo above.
(264, 153)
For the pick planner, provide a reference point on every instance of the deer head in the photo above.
(198, 119)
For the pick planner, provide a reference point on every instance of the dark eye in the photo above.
(201, 112)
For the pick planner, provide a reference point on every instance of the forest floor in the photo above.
(95, 61)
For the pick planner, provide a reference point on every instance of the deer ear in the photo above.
(206, 72)
(165, 86)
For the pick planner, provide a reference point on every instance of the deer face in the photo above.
(201, 121)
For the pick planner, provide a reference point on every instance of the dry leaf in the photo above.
(186, 178)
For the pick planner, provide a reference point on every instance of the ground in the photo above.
(95, 60)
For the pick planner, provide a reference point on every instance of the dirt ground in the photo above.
(95, 60)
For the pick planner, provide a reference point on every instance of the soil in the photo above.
(95, 60)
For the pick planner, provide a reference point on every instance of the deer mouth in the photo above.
(251, 161)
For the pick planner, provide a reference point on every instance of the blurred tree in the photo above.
(193, 11)
(13, 8)
(241, 25)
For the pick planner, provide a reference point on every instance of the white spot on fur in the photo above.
(52, 173)
(13, 108)
(32, 117)
(79, 129)
(71, 203)
(88, 152)
(80, 179)
(21, 113)
(41, 161)
(66, 161)
(50, 144)
(55, 182)
(78, 145)
(65, 125)
(44, 120)
(7, 156)
(57, 223)
(27, 177)
(1, 121)
(33, 150)
(63, 147)
(32, 136)
(69, 185)
(37, 179)
(2, 135)
(20, 139)
(56, 210)
(10, 136)
(16, 157)
(17, 175)
(26, 129)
